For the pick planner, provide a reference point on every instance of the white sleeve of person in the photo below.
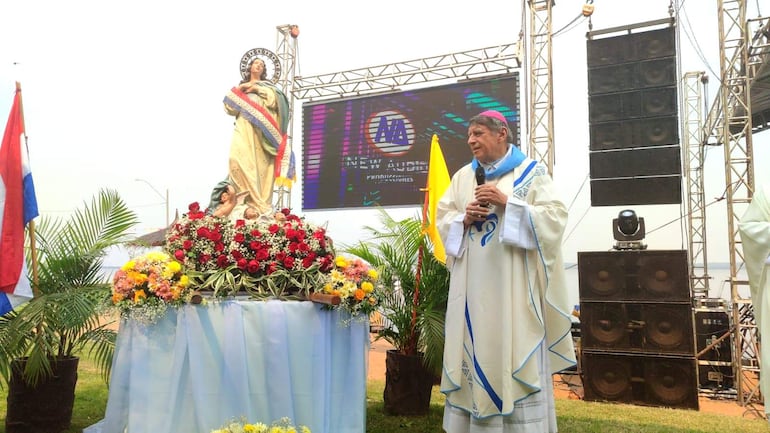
(517, 229)
(454, 241)
(767, 260)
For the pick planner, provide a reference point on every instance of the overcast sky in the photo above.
(115, 92)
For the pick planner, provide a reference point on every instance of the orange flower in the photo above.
(117, 297)
(139, 295)
(359, 294)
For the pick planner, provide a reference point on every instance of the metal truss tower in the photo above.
(286, 50)
(540, 110)
(729, 122)
(696, 209)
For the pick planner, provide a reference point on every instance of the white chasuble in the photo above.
(505, 302)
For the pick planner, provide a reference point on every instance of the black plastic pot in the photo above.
(408, 385)
(46, 408)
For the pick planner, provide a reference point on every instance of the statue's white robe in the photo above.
(754, 229)
(508, 310)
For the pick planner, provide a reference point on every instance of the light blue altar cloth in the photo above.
(201, 366)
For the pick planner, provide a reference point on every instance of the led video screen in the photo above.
(374, 150)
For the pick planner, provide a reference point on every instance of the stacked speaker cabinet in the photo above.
(637, 338)
(633, 117)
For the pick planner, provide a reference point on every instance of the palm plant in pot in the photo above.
(414, 306)
(41, 340)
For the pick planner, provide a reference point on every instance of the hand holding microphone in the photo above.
(481, 178)
(476, 212)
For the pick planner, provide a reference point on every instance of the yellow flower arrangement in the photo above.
(144, 286)
(356, 283)
(284, 425)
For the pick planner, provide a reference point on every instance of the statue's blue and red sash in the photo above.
(261, 118)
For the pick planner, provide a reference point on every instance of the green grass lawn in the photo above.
(573, 415)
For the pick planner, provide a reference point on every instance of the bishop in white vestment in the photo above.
(508, 319)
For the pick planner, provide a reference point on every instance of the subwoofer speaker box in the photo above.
(637, 327)
(634, 275)
(636, 379)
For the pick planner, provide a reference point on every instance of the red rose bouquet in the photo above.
(278, 258)
(199, 241)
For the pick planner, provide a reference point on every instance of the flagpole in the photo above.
(31, 225)
(418, 274)
(412, 345)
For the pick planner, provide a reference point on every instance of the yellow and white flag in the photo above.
(438, 182)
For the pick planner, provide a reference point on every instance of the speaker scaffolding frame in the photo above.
(696, 207)
(729, 123)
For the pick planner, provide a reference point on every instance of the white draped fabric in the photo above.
(754, 229)
(534, 414)
(507, 303)
(201, 366)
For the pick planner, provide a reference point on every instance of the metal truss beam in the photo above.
(470, 64)
(696, 209)
(286, 50)
(734, 133)
(541, 132)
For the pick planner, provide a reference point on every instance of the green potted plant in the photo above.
(414, 307)
(41, 340)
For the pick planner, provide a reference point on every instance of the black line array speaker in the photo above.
(633, 118)
(636, 191)
(636, 327)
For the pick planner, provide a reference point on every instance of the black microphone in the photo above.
(481, 177)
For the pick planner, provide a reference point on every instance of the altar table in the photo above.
(202, 365)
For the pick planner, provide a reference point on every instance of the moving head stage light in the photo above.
(628, 231)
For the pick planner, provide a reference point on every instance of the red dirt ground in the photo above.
(570, 387)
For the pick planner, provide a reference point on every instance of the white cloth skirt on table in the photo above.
(534, 414)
